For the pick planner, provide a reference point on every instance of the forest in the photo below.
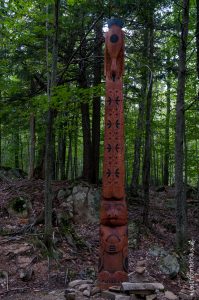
(52, 133)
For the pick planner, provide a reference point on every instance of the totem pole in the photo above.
(113, 261)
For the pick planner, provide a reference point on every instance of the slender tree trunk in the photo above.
(167, 127)
(97, 70)
(185, 159)
(49, 155)
(69, 158)
(181, 217)
(39, 169)
(197, 37)
(147, 149)
(16, 148)
(32, 147)
(140, 121)
(197, 168)
(75, 148)
(61, 153)
(87, 150)
(0, 143)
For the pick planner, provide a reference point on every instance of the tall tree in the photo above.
(32, 147)
(181, 214)
(140, 119)
(147, 146)
(167, 129)
(97, 72)
(49, 133)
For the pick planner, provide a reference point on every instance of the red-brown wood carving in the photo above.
(113, 261)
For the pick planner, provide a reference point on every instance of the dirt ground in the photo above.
(27, 273)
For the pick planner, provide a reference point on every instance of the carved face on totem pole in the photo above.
(113, 260)
(113, 213)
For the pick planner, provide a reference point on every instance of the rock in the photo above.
(141, 263)
(135, 277)
(83, 287)
(93, 198)
(122, 297)
(80, 190)
(170, 266)
(69, 294)
(82, 208)
(140, 270)
(134, 297)
(114, 296)
(88, 272)
(170, 296)
(141, 288)
(151, 297)
(87, 293)
(26, 274)
(77, 282)
(185, 296)
(95, 290)
(63, 194)
(157, 251)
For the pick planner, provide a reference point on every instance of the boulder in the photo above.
(141, 288)
(63, 194)
(151, 297)
(157, 251)
(140, 270)
(170, 296)
(84, 201)
(141, 263)
(169, 265)
(78, 282)
(95, 290)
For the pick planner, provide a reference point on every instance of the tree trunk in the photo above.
(61, 153)
(16, 147)
(167, 127)
(69, 158)
(197, 37)
(181, 216)
(49, 155)
(140, 121)
(85, 119)
(0, 143)
(147, 149)
(32, 147)
(39, 172)
(97, 70)
(75, 148)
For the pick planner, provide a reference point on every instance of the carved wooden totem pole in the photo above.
(113, 261)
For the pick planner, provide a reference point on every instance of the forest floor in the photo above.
(27, 273)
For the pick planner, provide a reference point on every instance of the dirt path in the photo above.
(55, 295)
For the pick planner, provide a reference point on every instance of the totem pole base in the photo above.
(106, 279)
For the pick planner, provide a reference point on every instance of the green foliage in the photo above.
(24, 74)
